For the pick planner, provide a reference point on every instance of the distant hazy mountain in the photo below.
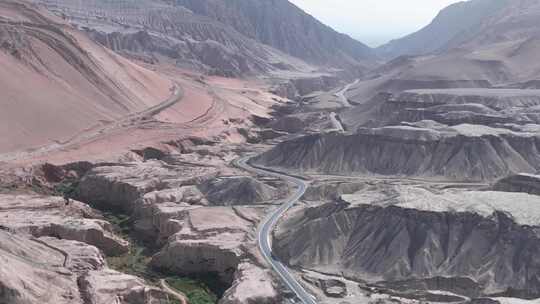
(282, 25)
(453, 24)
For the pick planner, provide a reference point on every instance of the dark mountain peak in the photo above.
(449, 28)
(284, 26)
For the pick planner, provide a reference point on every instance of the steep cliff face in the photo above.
(202, 224)
(464, 152)
(42, 216)
(236, 191)
(397, 233)
(282, 25)
(52, 270)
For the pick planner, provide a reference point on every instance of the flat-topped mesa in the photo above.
(122, 186)
(490, 107)
(391, 233)
(497, 99)
(215, 240)
(425, 149)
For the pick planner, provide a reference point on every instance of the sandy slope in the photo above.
(56, 83)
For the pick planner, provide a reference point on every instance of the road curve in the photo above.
(264, 234)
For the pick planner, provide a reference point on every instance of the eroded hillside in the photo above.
(57, 83)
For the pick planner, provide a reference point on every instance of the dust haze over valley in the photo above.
(242, 151)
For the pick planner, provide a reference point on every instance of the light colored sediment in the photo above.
(42, 216)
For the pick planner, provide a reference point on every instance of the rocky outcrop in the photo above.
(120, 186)
(51, 270)
(464, 152)
(204, 240)
(489, 107)
(252, 285)
(230, 191)
(109, 286)
(331, 288)
(330, 191)
(494, 99)
(34, 273)
(395, 233)
(48, 53)
(174, 207)
(130, 187)
(295, 88)
(150, 30)
(527, 183)
(42, 216)
(416, 288)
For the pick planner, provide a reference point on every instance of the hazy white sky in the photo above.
(374, 21)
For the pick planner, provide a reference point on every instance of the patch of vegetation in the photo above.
(197, 291)
(136, 260)
(202, 289)
(66, 188)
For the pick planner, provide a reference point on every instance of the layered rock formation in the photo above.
(491, 107)
(172, 207)
(303, 36)
(464, 152)
(79, 82)
(51, 270)
(394, 233)
(42, 216)
(472, 44)
(237, 191)
(202, 240)
(323, 191)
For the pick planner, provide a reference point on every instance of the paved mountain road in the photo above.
(264, 234)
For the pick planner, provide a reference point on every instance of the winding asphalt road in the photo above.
(264, 235)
